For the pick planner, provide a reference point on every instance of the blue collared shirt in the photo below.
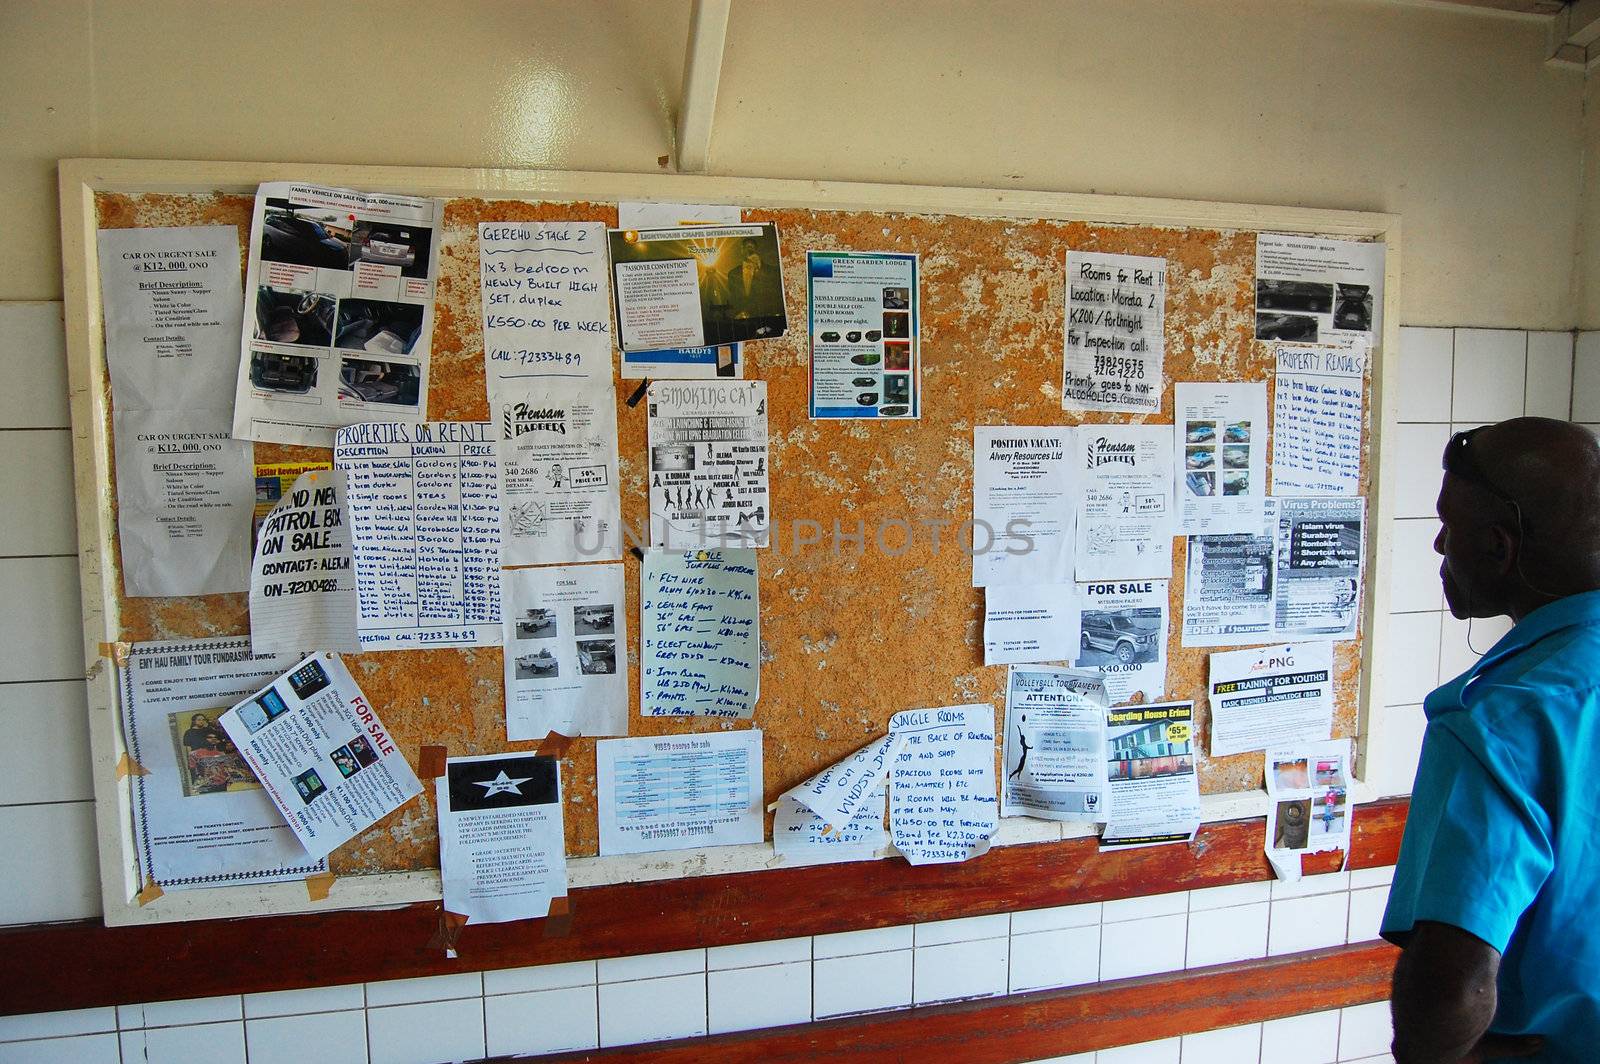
(1503, 836)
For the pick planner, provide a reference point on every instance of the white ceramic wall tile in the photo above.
(652, 965)
(1411, 664)
(1414, 576)
(1300, 924)
(1067, 956)
(1490, 368)
(168, 1013)
(1143, 908)
(1366, 913)
(938, 932)
(316, 1038)
(1462, 643)
(1365, 1030)
(863, 983)
(214, 1043)
(57, 1024)
(871, 940)
(1309, 1039)
(1322, 883)
(1549, 375)
(1218, 936)
(650, 1010)
(1362, 878)
(959, 970)
(1228, 1045)
(1166, 1051)
(1076, 1058)
(1142, 947)
(1417, 475)
(36, 465)
(1425, 373)
(48, 867)
(1586, 378)
(33, 363)
(1054, 918)
(1232, 894)
(427, 1033)
(45, 757)
(773, 995)
(298, 1002)
(539, 977)
(1394, 767)
(541, 1021)
(41, 623)
(425, 988)
(753, 954)
(83, 1049)
(1381, 1058)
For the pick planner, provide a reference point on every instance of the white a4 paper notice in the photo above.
(1024, 623)
(502, 849)
(1271, 696)
(1308, 811)
(1152, 792)
(942, 804)
(565, 628)
(708, 464)
(837, 815)
(676, 792)
(1022, 503)
(700, 638)
(302, 580)
(1125, 510)
(1055, 760)
(545, 312)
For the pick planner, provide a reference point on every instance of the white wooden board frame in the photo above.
(82, 179)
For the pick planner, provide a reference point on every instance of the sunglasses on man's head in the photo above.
(1460, 461)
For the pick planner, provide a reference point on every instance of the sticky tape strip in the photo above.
(127, 766)
(639, 392)
(553, 745)
(319, 884)
(448, 933)
(152, 890)
(117, 652)
(430, 762)
(558, 921)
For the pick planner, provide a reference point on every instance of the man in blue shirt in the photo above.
(1496, 897)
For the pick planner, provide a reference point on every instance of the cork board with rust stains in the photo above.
(849, 635)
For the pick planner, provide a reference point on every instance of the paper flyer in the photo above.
(708, 464)
(678, 792)
(566, 626)
(502, 847)
(1123, 629)
(557, 445)
(1271, 696)
(1055, 760)
(699, 634)
(802, 837)
(1027, 623)
(424, 511)
(274, 480)
(201, 818)
(1125, 507)
(1308, 803)
(1228, 595)
(171, 302)
(1152, 791)
(1310, 289)
(303, 589)
(1023, 492)
(1220, 438)
(942, 801)
(1317, 417)
(837, 794)
(696, 286)
(1115, 342)
(319, 749)
(545, 312)
(1320, 546)
(865, 314)
(338, 299)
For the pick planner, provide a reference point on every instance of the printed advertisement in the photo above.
(1116, 344)
(1123, 628)
(502, 848)
(1313, 290)
(274, 480)
(696, 286)
(708, 464)
(1022, 505)
(1125, 507)
(303, 589)
(338, 308)
(1027, 623)
(1320, 546)
(700, 634)
(1228, 596)
(679, 792)
(1271, 696)
(1317, 415)
(1220, 437)
(565, 628)
(544, 301)
(1054, 747)
(864, 311)
(1308, 803)
(1152, 792)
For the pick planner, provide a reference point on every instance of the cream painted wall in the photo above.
(1448, 118)
(1589, 226)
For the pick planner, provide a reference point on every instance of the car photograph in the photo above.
(366, 381)
(534, 624)
(541, 664)
(287, 236)
(296, 374)
(1200, 432)
(1238, 432)
(1201, 483)
(597, 657)
(1128, 635)
(286, 317)
(594, 620)
(1199, 457)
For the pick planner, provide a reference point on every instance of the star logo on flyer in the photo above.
(502, 784)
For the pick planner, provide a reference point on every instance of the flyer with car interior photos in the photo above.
(1023, 490)
(699, 634)
(864, 313)
(565, 629)
(338, 310)
(1125, 503)
(1310, 289)
(1123, 626)
(326, 760)
(1271, 696)
(708, 464)
(696, 285)
(1152, 789)
(1115, 339)
(200, 816)
(1054, 757)
(1027, 623)
(1220, 443)
(1308, 803)
(502, 847)
(557, 444)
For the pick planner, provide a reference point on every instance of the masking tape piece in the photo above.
(553, 745)
(127, 766)
(152, 890)
(430, 762)
(319, 884)
(448, 932)
(558, 921)
(117, 652)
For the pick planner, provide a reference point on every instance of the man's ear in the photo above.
(1502, 547)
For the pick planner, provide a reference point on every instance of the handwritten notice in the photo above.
(802, 837)
(544, 300)
(1316, 419)
(838, 792)
(425, 518)
(1116, 314)
(942, 803)
(302, 583)
(676, 792)
(700, 634)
